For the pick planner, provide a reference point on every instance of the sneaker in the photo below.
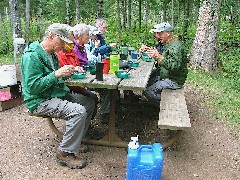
(70, 160)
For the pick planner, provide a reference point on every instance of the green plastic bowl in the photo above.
(133, 63)
(122, 74)
(79, 75)
(147, 58)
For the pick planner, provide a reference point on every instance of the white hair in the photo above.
(99, 22)
(80, 30)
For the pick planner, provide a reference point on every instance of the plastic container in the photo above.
(114, 63)
(79, 75)
(106, 62)
(99, 71)
(133, 63)
(122, 74)
(144, 161)
(124, 50)
(8, 75)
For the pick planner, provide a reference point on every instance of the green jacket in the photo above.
(39, 82)
(174, 64)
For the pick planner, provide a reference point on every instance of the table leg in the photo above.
(111, 139)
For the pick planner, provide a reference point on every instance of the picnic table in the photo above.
(136, 82)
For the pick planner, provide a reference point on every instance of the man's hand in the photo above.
(64, 71)
(153, 53)
(97, 43)
(144, 48)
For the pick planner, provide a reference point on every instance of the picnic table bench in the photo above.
(173, 113)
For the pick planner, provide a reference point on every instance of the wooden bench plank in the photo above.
(173, 113)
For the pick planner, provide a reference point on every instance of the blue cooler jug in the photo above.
(144, 162)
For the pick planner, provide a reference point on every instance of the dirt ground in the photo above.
(209, 150)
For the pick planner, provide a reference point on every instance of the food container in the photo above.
(133, 63)
(145, 57)
(79, 75)
(122, 74)
(8, 75)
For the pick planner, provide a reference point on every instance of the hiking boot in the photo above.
(70, 160)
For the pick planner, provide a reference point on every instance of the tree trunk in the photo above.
(27, 21)
(140, 14)
(173, 13)
(119, 23)
(129, 14)
(164, 11)
(124, 16)
(146, 19)
(204, 51)
(77, 11)
(134, 15)
(186, 18)
(16, 23)
(67, 12)
(39, 17)
(178, 17)
(100, 8)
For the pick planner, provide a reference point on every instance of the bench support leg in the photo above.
(173, 140)
(54, 128)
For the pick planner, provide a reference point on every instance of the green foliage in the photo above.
(221, 88)
(229, 34)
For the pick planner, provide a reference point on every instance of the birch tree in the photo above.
(204, 50)
(77, 11)
(27, 20)
(16, 23)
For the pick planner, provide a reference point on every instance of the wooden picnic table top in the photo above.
(137, 81)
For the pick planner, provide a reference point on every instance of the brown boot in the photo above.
(70, 160)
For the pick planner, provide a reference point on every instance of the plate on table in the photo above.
(79, 75)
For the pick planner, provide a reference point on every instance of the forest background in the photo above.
(129, 22)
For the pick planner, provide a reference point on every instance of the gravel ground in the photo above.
(207, 151)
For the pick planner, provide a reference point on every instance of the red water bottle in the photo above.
(106, 65)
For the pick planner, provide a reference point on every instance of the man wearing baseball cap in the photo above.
(45, 93)
(171, 62)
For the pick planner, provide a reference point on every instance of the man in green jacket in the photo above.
(172, 63)
(46, 94)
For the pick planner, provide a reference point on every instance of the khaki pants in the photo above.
(77, 110)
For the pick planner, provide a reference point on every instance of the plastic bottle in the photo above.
(144, 162)
(114, 63)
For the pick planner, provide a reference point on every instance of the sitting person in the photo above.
(81, 37)
(172, 63)
(46, 94)
(66, 56)
(104, 49)
(93, 45)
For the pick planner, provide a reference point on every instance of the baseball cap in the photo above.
(61, 30)
(164, 26)
(93, 31)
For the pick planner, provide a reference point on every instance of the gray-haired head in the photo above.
(60, 30)
(80, 30)
(99, 22)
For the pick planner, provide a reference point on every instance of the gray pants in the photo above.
(77, 110)
(155, 87)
